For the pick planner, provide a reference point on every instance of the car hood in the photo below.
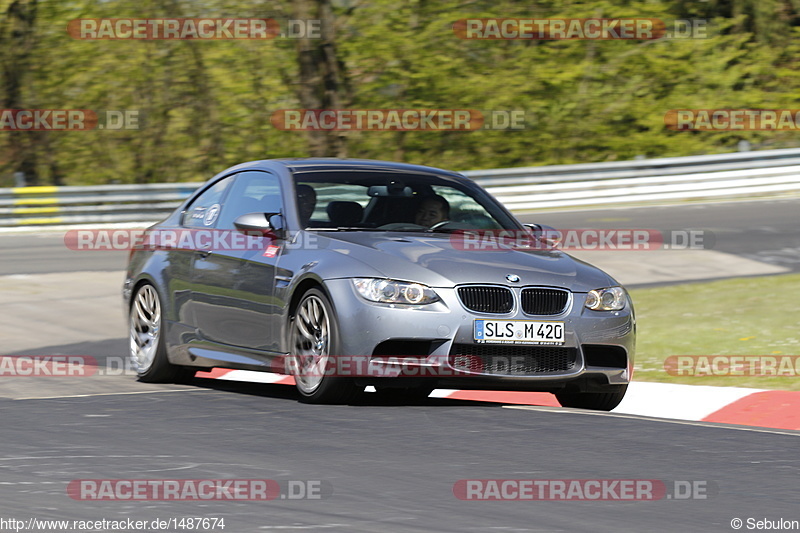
(438, 261)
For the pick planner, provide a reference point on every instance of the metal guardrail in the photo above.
(740, 174)
(25, 206)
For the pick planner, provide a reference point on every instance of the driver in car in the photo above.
(306, 202)
(432, 210)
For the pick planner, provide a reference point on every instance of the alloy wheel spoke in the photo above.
(140, 308)
(317, 308)
(303, 329)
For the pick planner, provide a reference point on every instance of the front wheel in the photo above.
(313, 343)
(147, 352)
(596, 401)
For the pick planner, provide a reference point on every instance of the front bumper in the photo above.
(435, 343)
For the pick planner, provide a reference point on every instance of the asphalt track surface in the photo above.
(390, 467)
(387, 467)
(763, 230)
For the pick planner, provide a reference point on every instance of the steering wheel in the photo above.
(440, 224)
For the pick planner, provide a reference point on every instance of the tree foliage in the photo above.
(207, 104)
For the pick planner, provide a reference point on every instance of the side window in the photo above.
(252, 192)
(205, 209)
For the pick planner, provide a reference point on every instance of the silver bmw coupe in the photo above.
(353, 273)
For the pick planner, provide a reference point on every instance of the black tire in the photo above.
(147, 349)
(596, 401)
(313, 343)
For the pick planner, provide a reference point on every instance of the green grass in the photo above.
(741, 316)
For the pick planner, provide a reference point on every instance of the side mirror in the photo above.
(260, 225)
(547, 235)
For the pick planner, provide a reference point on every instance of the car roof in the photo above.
(332, 163)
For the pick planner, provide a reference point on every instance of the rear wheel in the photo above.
(313, 343)
(147, 351)
(597, 401)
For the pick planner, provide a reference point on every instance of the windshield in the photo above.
(354, 200)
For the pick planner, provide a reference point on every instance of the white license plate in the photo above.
(518, 331)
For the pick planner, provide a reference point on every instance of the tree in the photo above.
(320, 83)
(17, 42)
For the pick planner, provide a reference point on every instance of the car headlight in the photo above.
(608, 299)
(390, 291)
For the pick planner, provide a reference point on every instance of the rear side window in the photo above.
(205, 209)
